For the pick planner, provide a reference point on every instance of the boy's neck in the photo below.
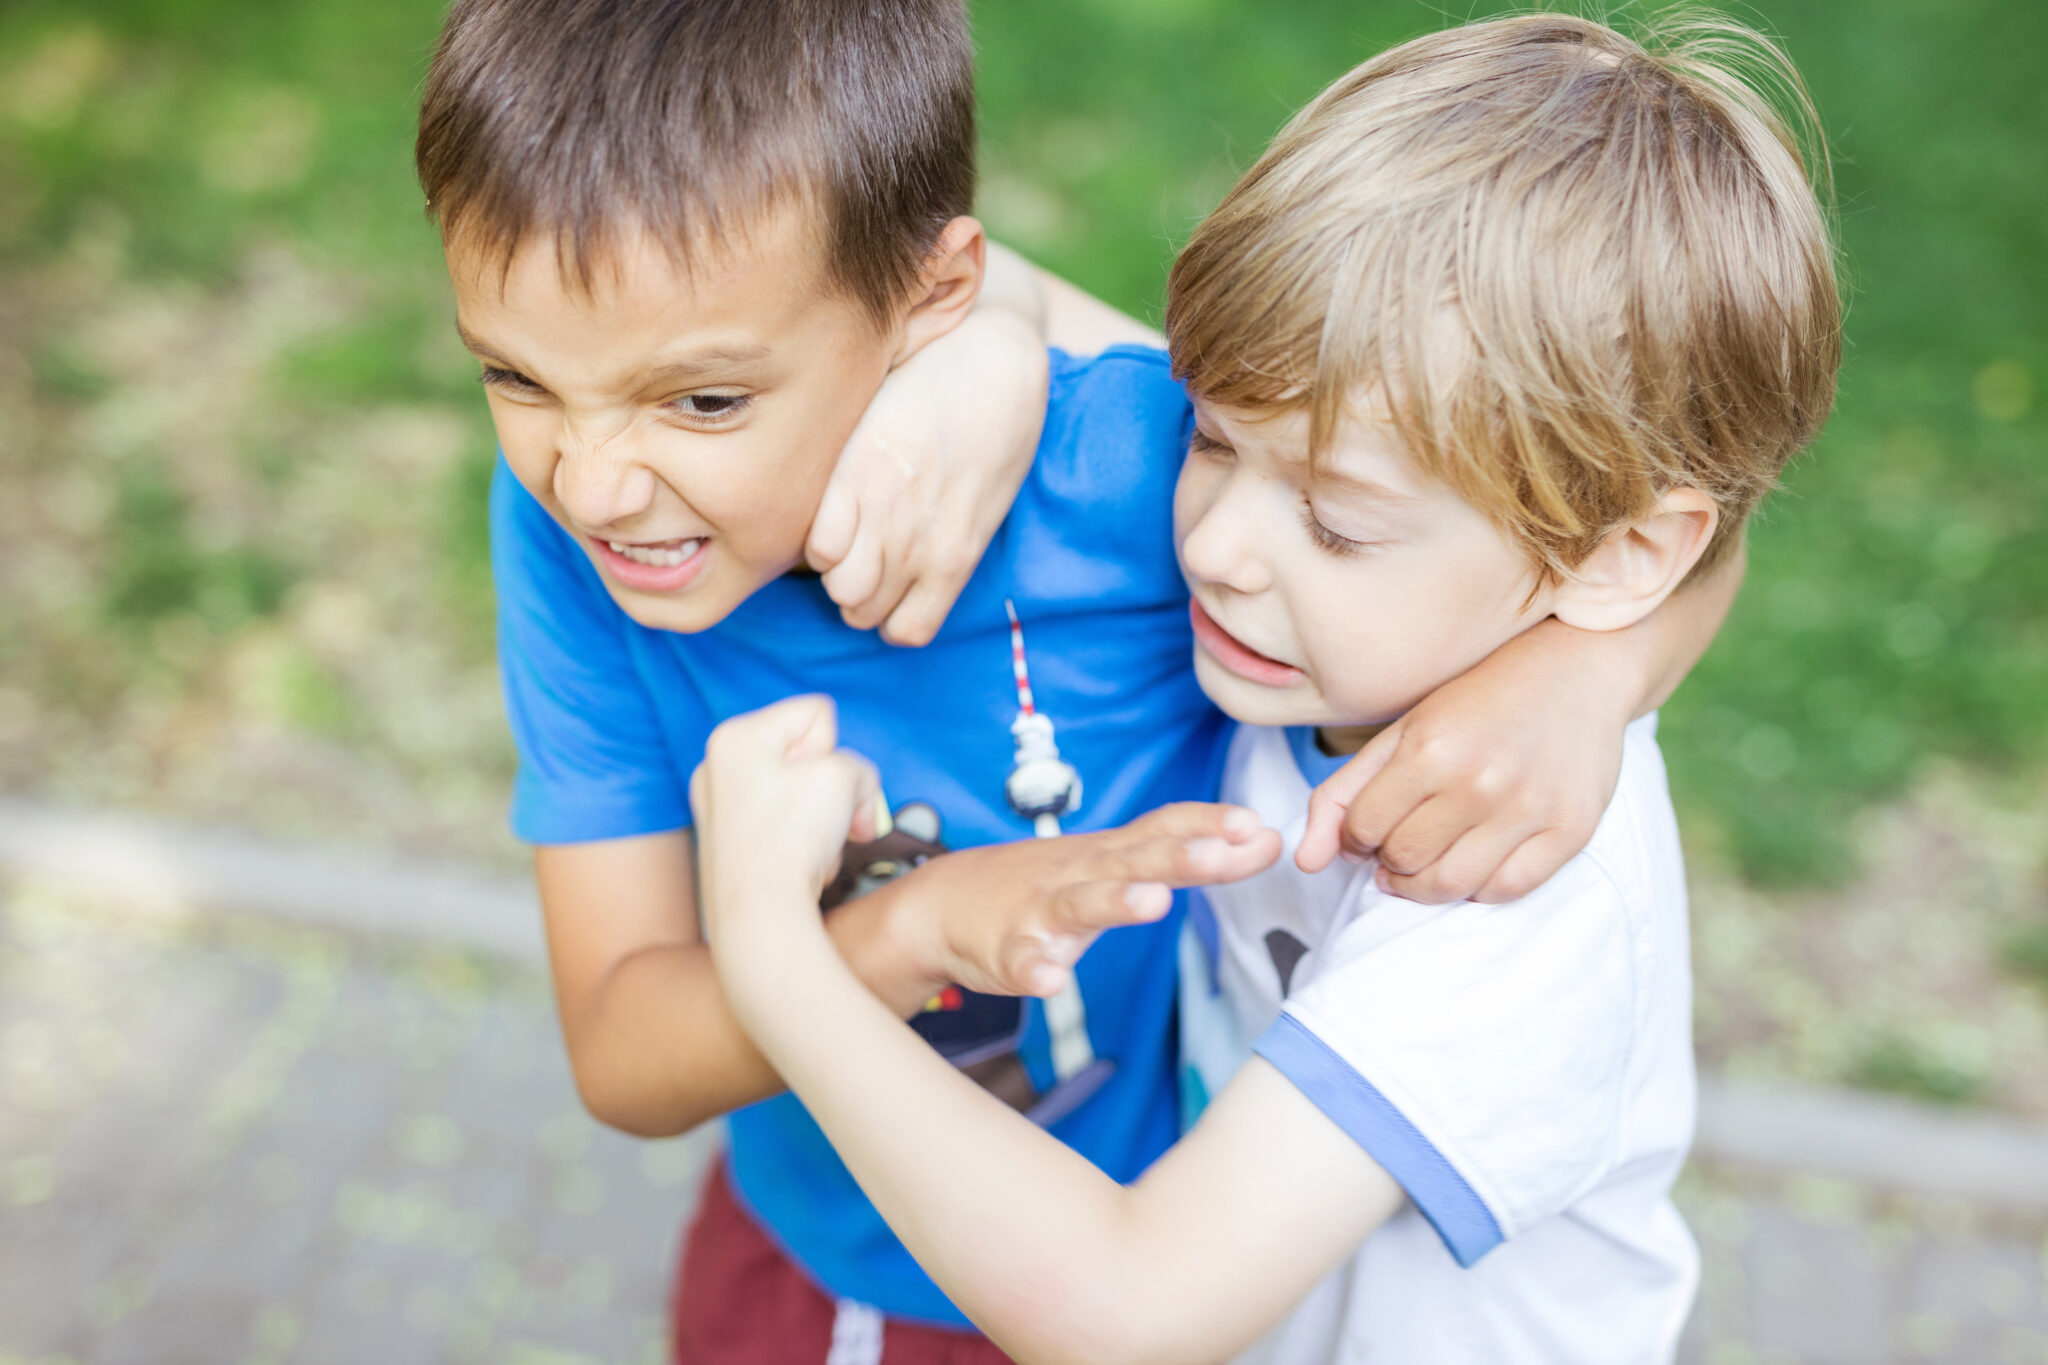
(1339, 740)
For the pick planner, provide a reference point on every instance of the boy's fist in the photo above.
(775, 799)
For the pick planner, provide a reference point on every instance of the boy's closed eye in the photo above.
(1324, 537)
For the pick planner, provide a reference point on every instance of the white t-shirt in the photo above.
(1524, 1071)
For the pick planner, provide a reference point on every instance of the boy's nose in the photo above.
(599, 479)
(1220, 549)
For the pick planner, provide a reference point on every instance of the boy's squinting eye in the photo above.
(1325, 537)
(1202, 443)
(716, 408)
(511, 381)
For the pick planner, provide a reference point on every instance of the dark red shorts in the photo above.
(739, 1301)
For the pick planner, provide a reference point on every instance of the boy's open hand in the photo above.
(775, 799)
(1012, 919)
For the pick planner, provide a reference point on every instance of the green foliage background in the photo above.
(1895, 610)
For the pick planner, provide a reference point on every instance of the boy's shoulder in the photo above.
(1091, 529)
(1114, 420)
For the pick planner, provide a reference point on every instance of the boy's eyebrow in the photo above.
(710, 358)
(471, 340)
(1368, 488)
(694, 363)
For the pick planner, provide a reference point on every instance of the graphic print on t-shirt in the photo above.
(980, 1034)
(1287, 952)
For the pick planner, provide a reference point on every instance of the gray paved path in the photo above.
(246, 1142)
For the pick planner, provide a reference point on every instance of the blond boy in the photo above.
(1516, 322)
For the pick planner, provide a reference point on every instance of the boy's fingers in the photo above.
(1201, 861)
(922, 611)
(1424, 835)
(854, 579)
(1090, 907)
(868, 801)
(800, 727)
(1459, 872)
(832, 530)
(1193, 820)
(1331, 801)
(1319, 837)
(890, 588)
(1045, 980)
(1038, 966)
(1378, 808)
(1528, 867)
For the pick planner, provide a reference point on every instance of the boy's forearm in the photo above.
(1081, 324)
(657, 1049)
(1013, 287)
(1641, 666)
(933, 1176)
(1686, 625)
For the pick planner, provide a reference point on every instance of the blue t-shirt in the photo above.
(611, 719)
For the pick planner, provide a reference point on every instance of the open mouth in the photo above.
(653, 566)
(1237, 656)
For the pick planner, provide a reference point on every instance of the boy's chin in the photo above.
(1253, 703)
(686, 611)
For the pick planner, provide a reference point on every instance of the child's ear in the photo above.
(1638, 566)
(947, 285)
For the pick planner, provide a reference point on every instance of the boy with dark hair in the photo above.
(689, 240)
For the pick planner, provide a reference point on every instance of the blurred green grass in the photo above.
(1895, 609)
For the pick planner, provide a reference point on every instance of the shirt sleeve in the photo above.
(593, 760)
(1481, 1056)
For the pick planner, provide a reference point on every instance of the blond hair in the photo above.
(1579, 270)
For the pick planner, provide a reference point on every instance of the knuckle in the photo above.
(1443, 751)
(1411, 888)
(1366, 825)
(1402, 856)
(916, 630)
(1494, 782)
(1512, 886)
(1359, 840)
(1435, 891)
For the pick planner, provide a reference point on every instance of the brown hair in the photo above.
(686, 118)
(1579, 270)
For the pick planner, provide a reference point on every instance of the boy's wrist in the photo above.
(892, 941)
(1618, 667)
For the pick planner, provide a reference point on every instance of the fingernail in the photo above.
(1356, 860)
(1240, 821)
(885, 823)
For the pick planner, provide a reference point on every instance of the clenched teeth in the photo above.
(657, 556)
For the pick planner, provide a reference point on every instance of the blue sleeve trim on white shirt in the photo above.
(1354, 1104)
